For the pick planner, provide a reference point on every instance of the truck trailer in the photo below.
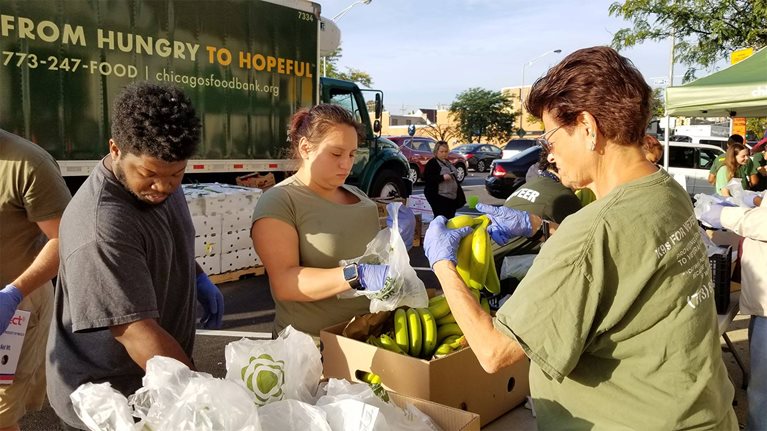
(247, 65)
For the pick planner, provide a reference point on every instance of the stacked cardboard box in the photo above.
(221, 215)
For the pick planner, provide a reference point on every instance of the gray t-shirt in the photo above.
(121, 261)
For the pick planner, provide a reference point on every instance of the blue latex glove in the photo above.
(372, 277)
(10, 298)
(405, 223)
(441, 243)
(506, 223)
(212, 301)
(712, 217)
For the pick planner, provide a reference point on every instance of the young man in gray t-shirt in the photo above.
(126, 287)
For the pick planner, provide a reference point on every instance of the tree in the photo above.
(657, 106)
(481, 112)
(351, 74)
(441, 132)
(706, 30)
(758, 126)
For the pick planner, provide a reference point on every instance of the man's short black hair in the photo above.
(155, 120)
(734, 139)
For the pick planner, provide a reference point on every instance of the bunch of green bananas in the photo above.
(475, 255)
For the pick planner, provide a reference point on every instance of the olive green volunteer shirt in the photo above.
(31, 190)
(617, 315)
(327, 233)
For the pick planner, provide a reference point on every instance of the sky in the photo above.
(422, 53)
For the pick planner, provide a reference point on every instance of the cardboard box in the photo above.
(210, 264)
(725, 238)
(206, 245)
(381, 203)
(456, 380)
(236, 240)
(256, 180)
(447, 418)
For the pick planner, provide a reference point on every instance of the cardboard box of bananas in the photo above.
(433, 332)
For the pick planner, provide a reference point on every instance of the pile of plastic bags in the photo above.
(270, 385)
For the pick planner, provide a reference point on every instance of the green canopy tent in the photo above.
(738, 91)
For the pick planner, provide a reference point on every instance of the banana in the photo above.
(439, 307)
(445, 320)
(485, 305)
(492, 282)
(476, 294)
(374, 341)
(389, 344)
(447, 345)
(401, 335)
(463, 257)
(369, 378)
(460, 221)
(429, 327)
(479, 255)
(414, 331)
(446, 330)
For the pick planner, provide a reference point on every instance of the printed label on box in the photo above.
(10, 346)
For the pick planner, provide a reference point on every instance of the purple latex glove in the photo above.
(713, 216)
(10, 298)
(405, 223)
(506, 223)
(212, 301)
(372, 277)
(441, 242)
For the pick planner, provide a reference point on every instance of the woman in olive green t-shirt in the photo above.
(306, 224)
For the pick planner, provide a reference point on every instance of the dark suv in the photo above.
(479, 156)
(507, 175)
(419, 150)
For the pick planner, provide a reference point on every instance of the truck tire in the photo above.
(387, 184)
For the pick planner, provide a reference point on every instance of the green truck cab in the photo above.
(248, 66)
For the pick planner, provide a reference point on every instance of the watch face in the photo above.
(350, 272)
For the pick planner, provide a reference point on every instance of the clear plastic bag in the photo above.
(292, 415)
(354, 406)
(403, 287)
(102, 408)
(516, 266)
(289, 367)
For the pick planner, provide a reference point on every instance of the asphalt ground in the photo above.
(249, 307)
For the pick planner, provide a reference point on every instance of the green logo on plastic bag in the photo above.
(265, 377)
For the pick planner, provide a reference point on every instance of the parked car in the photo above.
(514, 146)
(479, 156)
(693, 161)
(708, 140)
(507, 175)
(420, 149)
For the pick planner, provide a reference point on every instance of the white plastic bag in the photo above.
(289, 367)
(210, 404)
(354, 406)
(516, 266)
(292, 415)
(102, 408)
(703, 203)
(403, 287)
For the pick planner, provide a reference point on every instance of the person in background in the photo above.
(620, 332)
(128, 282)
(760, 164)
(750, 169)
(33, 196)
(442, 190)
(752, 225)
(543, 196)
(737, 164)
(318, 220)
(653, 149)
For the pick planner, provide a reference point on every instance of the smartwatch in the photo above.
(352, 276)
(545, 229)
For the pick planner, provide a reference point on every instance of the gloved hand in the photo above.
(405, 223)
(372, 277)
(506, 223)
(10, 298)
(441, 243)
(212, 301)
(712, 217)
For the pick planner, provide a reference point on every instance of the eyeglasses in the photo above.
(543, 140)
